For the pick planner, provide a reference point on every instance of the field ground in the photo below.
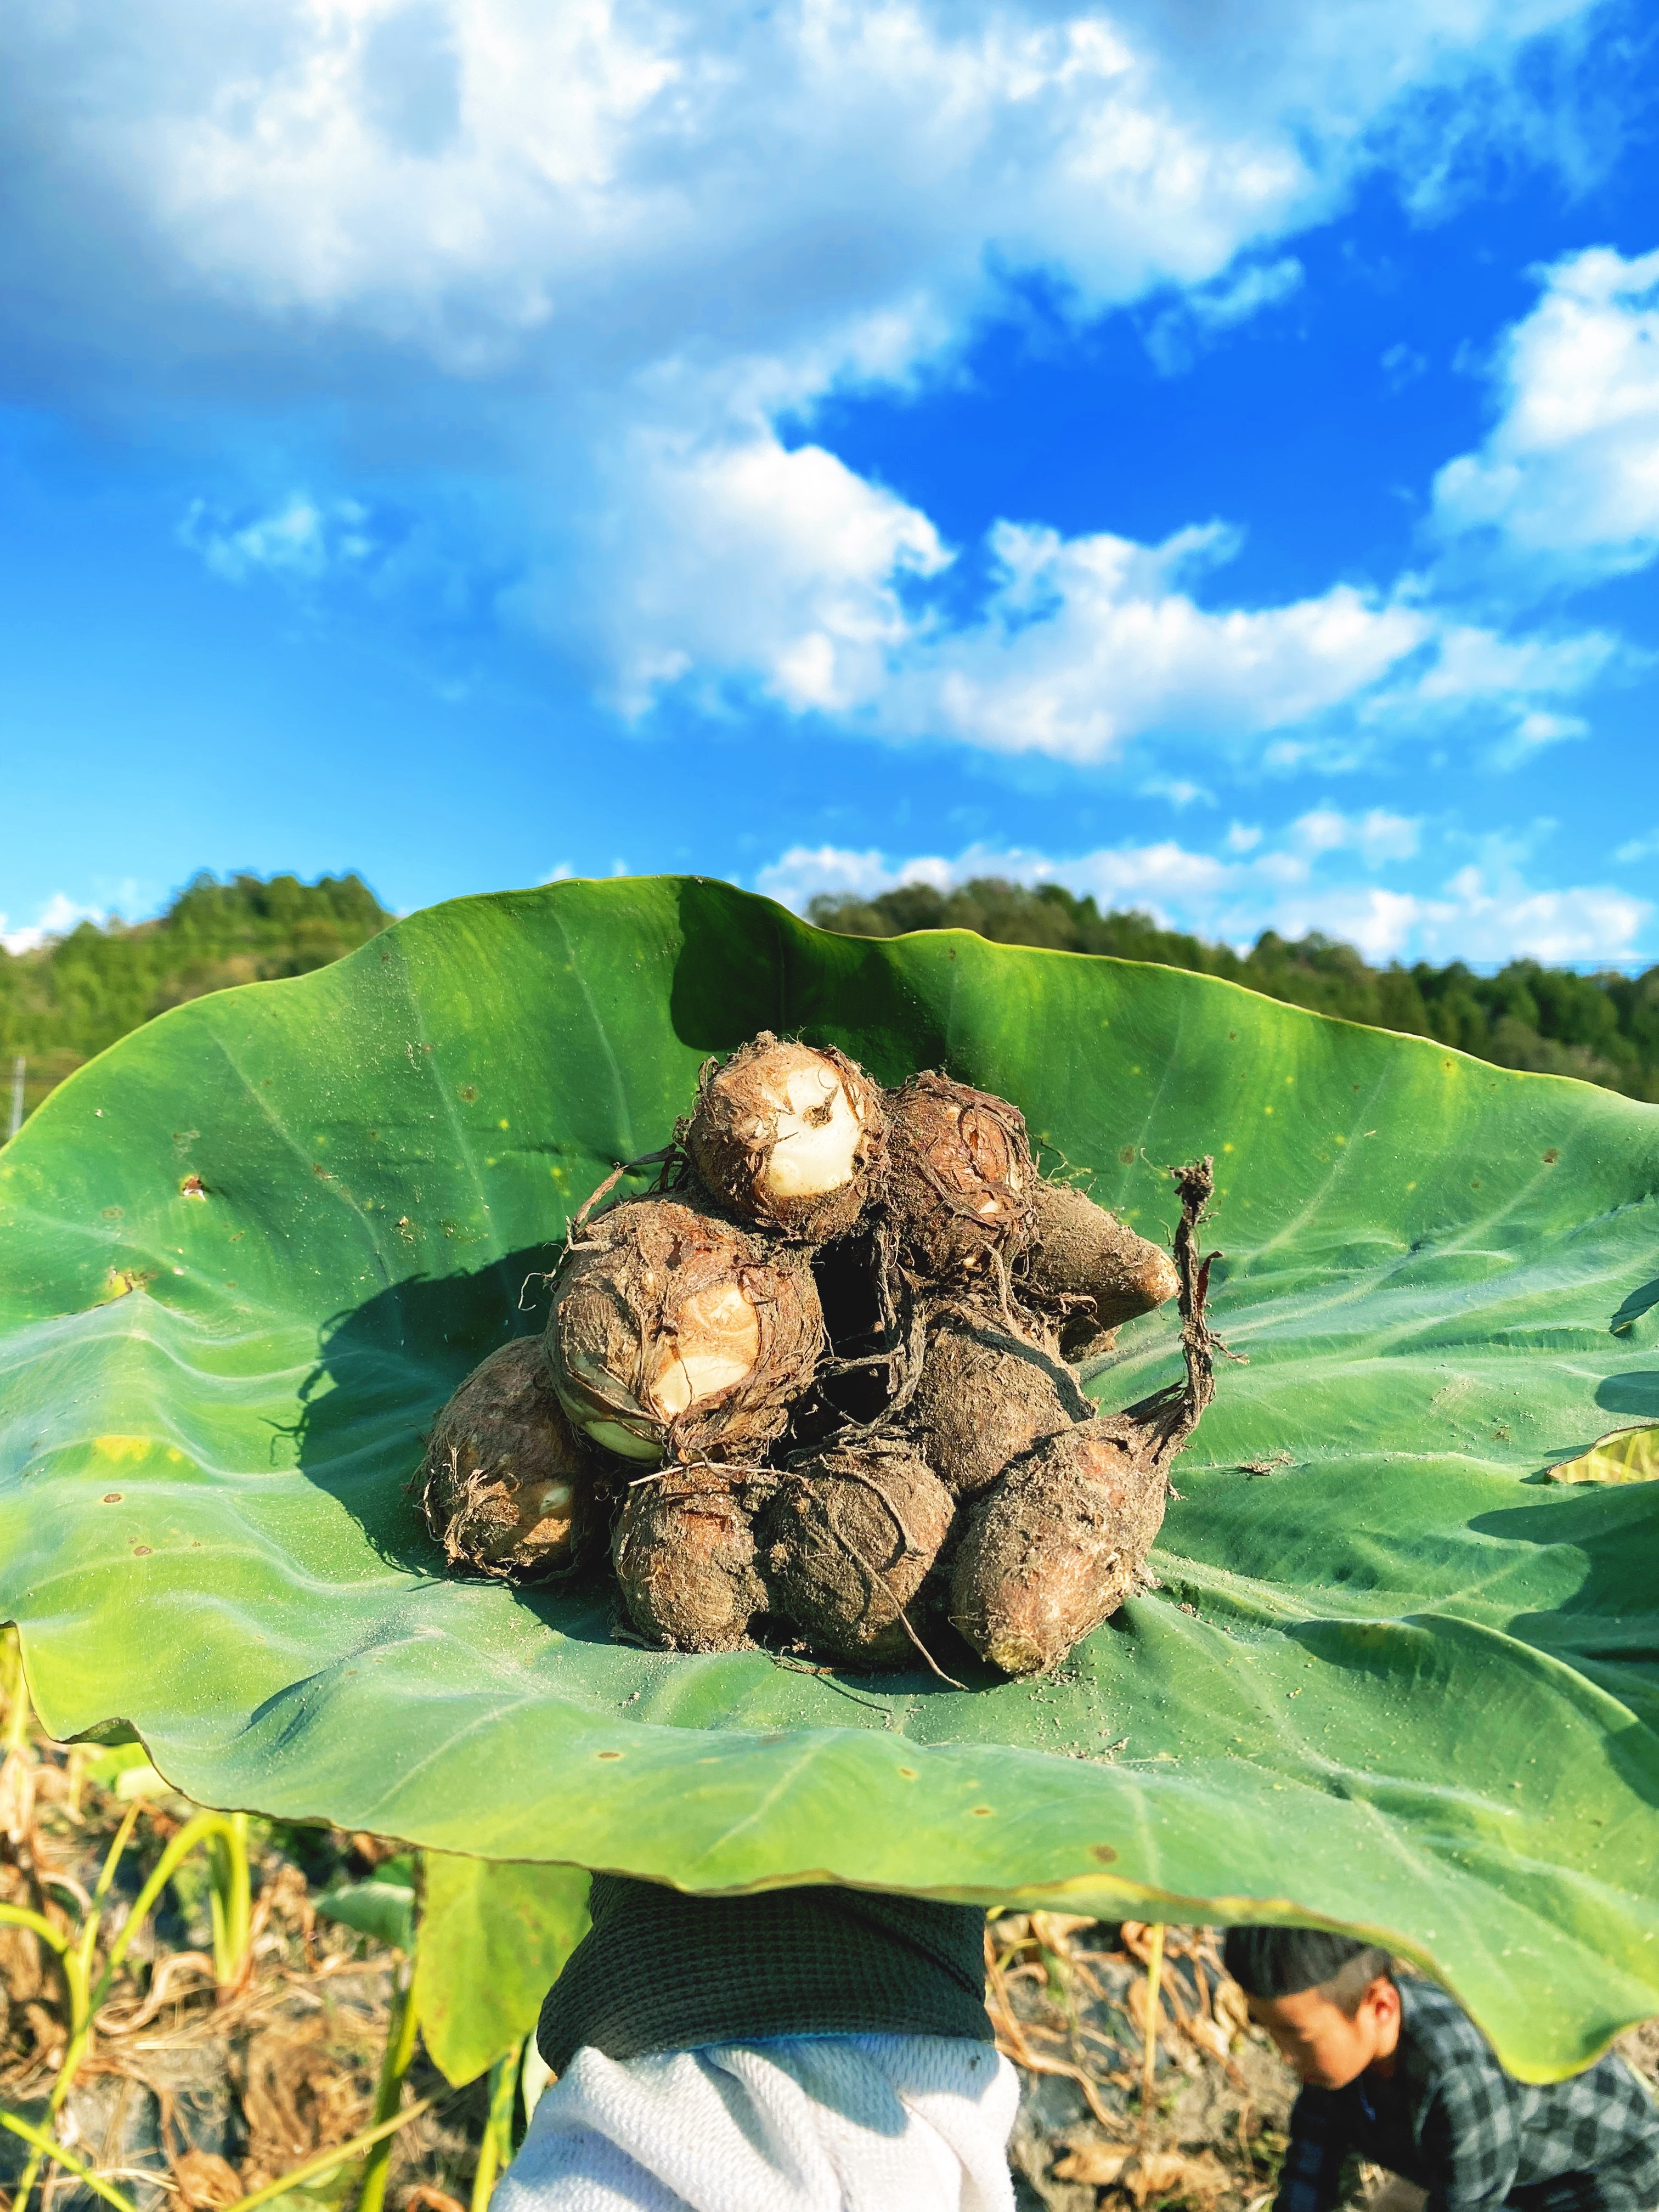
(191, 2094)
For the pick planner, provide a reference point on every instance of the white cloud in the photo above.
(1082, 647)
(1088, 642)
(1181, 791)
(619, 241)
(302, 539)
(1567, 483)
(1174, 337)
(781, 564)
(1483, 912)
(60, 914)
(488, 179)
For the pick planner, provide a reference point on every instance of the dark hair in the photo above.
(1279, 1962)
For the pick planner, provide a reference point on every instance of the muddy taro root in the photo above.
(685, 1560)
(986, 1396)
(961, 1179)
(1058, 1542)
(790, 1136)
(850, 1537)
(1100, 1271)
(506, 1487)
(926, 1468)
(676, 1335)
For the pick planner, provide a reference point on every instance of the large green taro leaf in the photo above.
(1395, 1682)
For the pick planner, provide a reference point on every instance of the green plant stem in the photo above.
(73, 1968)
(1149, 2055)
(193, 1832)
(399, 2050)
(45, 2148)
(326, 2161)
(232, 1901)
(495, 2151)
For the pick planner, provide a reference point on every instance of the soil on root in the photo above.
(790, 1136)
(850, 1538)
(686, 1560)
(986, 1396)
(506, 1487)
(676, 1335)
(961, 1179)
(1099, 1271)
(1054, 1546)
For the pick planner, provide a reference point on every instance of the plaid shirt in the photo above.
(1450, 2119)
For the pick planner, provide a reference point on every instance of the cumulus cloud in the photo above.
(789, 571)
(494, 177)
(1567, 483)
(1486, 910)
(1087, 642)
(587, 259)
(782, 565)
(59, 915)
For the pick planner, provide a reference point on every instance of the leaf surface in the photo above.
(1398, 1682)
(493, 1938)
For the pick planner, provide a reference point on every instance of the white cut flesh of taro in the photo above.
(718, 1345)
(817, 1135)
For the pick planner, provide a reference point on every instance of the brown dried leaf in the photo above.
(1055, 1929)
(1097, 2162)
(1200, 2179)
(206, 2182)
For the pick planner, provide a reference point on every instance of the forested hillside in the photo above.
(1602, 1028)
(76, 994)
(70, 998)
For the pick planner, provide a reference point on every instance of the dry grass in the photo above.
(190, 2096)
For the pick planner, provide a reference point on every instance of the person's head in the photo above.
(1327, 2001)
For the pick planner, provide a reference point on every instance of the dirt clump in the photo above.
(1101, 1272)
(1055, 1545)
(818, 1382)
(987, 1395)
(686, 1560)
(961, 1178)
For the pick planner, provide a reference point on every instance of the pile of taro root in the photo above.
(817, 1388)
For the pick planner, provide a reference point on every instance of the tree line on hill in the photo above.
(66, 999)
(1604, 1029)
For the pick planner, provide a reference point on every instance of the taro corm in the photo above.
(923, 1480)
(789, 1137)
(507, 1486)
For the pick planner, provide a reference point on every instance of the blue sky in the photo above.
(1208, 455)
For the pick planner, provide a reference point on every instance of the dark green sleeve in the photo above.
(662, 1971)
